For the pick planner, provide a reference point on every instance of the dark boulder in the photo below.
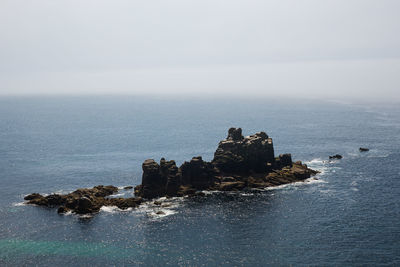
(337, 156)
(363, 149)
(86, 205)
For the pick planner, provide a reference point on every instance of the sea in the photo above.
(348, 215)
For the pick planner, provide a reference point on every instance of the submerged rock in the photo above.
(337, 156)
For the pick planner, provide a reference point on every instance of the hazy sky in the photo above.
(308, 48)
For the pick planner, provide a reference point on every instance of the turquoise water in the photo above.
(349, 216)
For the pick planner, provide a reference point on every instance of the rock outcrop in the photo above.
(84, 200)
(244, 154)
(239, 163)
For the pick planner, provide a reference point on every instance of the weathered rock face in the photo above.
(244, 154)
(283, 160)
(159, 180)
(198, 173)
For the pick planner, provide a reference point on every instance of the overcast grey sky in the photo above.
(316, 48)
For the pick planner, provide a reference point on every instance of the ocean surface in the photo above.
(348, 216)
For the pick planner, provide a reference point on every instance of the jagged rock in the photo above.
(153, 182)
(244, 154)
(235, 134)
(363, 149)
(283, 160)
(128, 187)
(159, 180)
(173, 174)
(337, 156)
(198, 173)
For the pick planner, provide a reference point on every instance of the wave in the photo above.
(160, 207)
(19, 204)
(114, 209)
(318, 164)
(312, 180)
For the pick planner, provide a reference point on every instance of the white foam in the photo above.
(160, 213)
(247, 194)
(85, 216)
(210, 192)
(114, 209)
(167, 207)
(312, 180)
(117, 195)
(19, 204)
(317, 161)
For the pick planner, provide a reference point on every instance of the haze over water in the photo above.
(349, 216)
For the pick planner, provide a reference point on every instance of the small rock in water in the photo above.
(158, 203)
(128, 187)
(160, 212)
(337, 156)
(363, 149)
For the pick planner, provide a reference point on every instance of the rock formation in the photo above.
(83, 200)
(337, 156)
(239, 163)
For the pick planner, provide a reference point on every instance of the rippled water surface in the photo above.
(348, 215)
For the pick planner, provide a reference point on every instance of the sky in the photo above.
(307, 48)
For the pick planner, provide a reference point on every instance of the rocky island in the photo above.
(239, 163)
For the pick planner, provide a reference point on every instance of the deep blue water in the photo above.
(350, 216)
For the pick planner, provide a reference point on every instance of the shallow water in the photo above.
(349, 215)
